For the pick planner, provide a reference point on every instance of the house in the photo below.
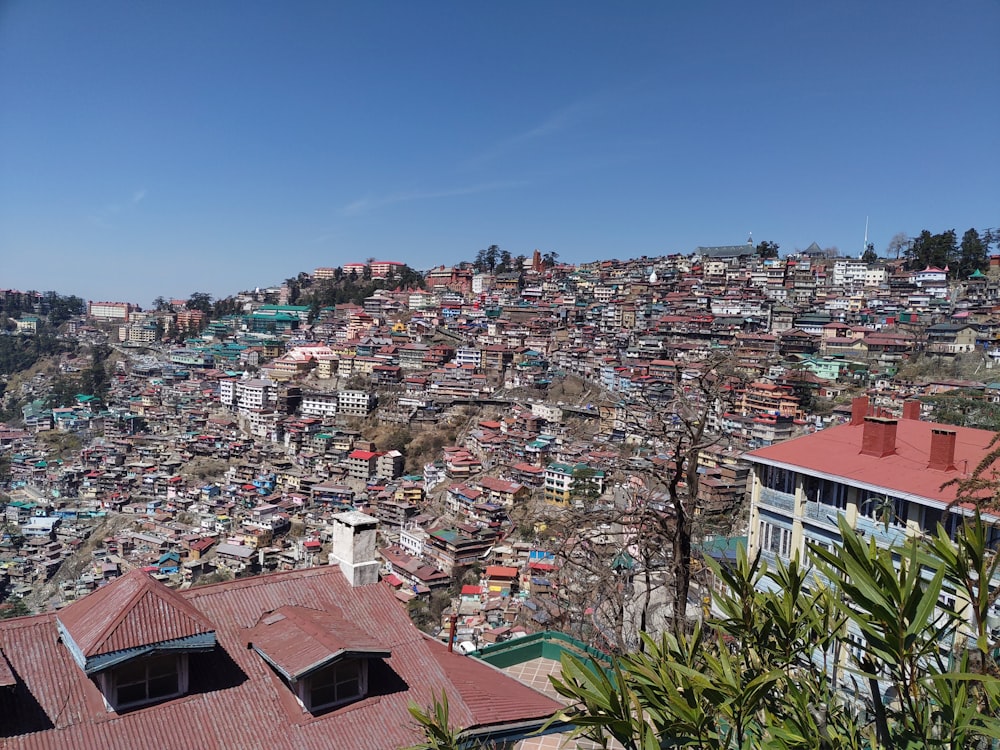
(951, 338)
(503, 492)
(319, 657)
(563, 480)
(361, 464)
(501, 579)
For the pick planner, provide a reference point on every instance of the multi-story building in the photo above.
(355, 403)
(362, 464)
(188, 320)
(111, 312)
(382, 268)
(888, 478)
(319, 404)
(562, 480)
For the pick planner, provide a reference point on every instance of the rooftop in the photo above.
(235, 697)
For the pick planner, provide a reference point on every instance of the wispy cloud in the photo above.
(369, 203)
(103, 217)
(558, 121)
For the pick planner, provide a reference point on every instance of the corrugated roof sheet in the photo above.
(298, 640)
(134, 611)
(237, 701)
(7, 678)
(836, 451)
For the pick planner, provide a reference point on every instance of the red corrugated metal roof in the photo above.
(837, 451)
(500, 571)
(236, 699)
(297, 639)
(133, 611)
(7, 678)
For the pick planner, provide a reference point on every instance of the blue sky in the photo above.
(172, 147)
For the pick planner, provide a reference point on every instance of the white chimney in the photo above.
(354, 547)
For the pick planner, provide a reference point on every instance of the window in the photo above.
(777, 479)
(148, 679)
(856, 646)
(884, 507)
(933, 516)
(335, 684)
(993, 537)
(775, 539)
(826, 492)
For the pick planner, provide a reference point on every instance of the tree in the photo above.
(767, 249)
(655, 519)
(480, 264)
(772, 669)
(200, 301)
(932, 250)
(491, 256)
(584, 485)
(549, 259)
(899, 243)
(504, 262)
(315, 310)
(94, 380)
(869, 256)
(160, 304)
(972, 254)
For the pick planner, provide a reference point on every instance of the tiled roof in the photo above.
(237, 701)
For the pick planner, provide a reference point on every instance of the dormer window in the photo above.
(333, 685)
(145, 680)
(134, 638)
(321, 656)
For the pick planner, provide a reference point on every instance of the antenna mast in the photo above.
(864, 248)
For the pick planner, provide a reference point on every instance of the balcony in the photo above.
(821, 514)
(770, 558)
(783, 501)
(894, 535)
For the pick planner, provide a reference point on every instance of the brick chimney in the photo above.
(879, 437)
(911, 409)
(942, 455)
(859, 409)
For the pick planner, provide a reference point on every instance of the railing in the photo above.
(891, 536)
(780, 500)
(820, 513)
(771, 558)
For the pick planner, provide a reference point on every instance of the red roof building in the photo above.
(291, 660)
(888, 477)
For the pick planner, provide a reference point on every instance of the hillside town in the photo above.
(466, 414)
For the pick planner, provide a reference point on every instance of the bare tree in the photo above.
(898, 244)
(681, 422)
(626, 558)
